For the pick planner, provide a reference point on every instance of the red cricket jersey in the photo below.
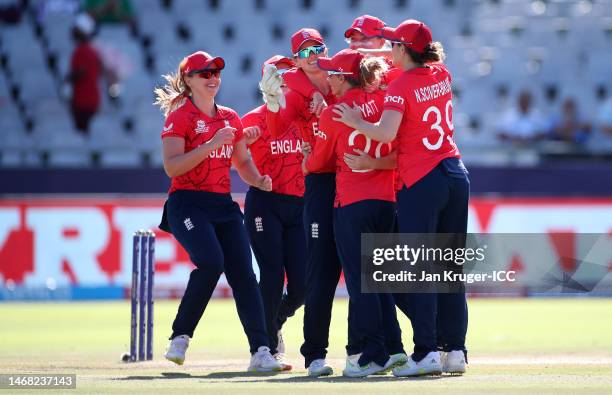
(336, 139)
(298, 82)
(279, 157)
(297, 109)
(196, 128)
(87, 64)
(425, 136)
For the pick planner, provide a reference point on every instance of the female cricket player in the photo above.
(363, 35)
(364, 203)
(323, 266)
(274, 220)
(201, 140)
(435, 193)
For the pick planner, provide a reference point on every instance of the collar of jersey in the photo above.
(219, 115)
(420, 70)
(351, 94)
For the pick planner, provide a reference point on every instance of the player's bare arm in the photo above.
(384, 130)
(362, 161)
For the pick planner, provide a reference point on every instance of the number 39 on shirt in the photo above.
(437, 118)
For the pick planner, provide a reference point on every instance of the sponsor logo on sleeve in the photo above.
(394, 99)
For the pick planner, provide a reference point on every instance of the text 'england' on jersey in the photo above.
(279, 157)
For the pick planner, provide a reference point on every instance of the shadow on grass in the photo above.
(215, 375)
(342, 379)
(277, 377)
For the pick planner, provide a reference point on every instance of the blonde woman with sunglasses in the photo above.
(201, 140)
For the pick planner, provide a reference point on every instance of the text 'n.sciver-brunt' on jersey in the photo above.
(433, 91)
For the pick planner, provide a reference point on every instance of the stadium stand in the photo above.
(495, 49)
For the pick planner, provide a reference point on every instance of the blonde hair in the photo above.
(172, 95)
(370, 70)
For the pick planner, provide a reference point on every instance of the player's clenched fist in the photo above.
(251, 134)
(306, 148)
(223, 136)
(264, 183)
(318, 104)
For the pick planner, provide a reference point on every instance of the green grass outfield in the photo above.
(516, 346)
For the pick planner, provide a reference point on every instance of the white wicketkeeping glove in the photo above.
(270, 86)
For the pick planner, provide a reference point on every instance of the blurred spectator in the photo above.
(604, 118)
(47, 7)
(111, 11)
(522, 123)
(85, 71)
(10, 13)
(569, 126)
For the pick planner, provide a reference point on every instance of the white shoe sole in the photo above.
(457, 370)
(328, 371)
(420, 372)
(264, 370)
(389, 368)
(175, 359)
(363, 373)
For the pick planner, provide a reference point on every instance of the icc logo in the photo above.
(201, 127)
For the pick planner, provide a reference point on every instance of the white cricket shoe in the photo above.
(453, 362)
(319, 367)
(263, 361)
(353, 369)
(280, 358)
(428, 365)
(280, 347)
(176, 349)
(394, 361)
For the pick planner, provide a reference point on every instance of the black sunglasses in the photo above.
(206, 74)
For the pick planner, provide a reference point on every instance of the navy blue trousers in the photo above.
(437, 203)
(275, 226)
(322, 268)
(373, 315)
(210, 228)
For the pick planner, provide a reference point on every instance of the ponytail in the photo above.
(172, 95)
(434, 52)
